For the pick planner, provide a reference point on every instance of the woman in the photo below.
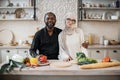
(70, 40)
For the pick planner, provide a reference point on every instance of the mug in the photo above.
(106, 42)
(20, 42)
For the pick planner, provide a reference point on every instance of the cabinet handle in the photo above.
(25, 51)
(98, 51)
(8, 51)
(115, 51)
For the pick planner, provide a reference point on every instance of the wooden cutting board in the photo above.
(73, 61)
(60, 64)
(100, 65)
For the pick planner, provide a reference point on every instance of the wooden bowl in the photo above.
(113, 42)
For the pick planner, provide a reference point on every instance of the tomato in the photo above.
(106, 59)
(42, 58)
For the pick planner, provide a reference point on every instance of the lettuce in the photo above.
(82, 59)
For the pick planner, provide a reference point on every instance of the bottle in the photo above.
(101, 40)
(90, 39)
(117, 4)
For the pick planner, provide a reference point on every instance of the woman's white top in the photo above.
(72, 44)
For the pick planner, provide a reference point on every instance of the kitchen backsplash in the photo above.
(110, 30)
(23, 29)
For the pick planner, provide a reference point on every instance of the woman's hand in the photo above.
(68, 59)
(85, 44)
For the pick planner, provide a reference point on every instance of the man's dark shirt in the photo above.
(45, 44)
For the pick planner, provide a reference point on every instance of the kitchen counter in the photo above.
(111, 73)
(97, 46)
(14, 47)
(89, 47)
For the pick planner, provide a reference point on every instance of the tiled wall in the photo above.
(22, 29)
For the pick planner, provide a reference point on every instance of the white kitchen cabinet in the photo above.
(24, 52)
(114, 54)
(101, 53)
(96, 53)
(6, 54)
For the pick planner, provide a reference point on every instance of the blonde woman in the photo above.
(70, 40)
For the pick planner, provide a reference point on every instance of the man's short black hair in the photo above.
(50, 13)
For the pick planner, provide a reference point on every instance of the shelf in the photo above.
(31, 7)
(94, 10)
(101, 8)
(18, 9)
(99, 20)
(16, 19)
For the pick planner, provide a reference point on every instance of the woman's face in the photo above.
(70, 22)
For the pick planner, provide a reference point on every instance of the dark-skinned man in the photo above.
(46, 40)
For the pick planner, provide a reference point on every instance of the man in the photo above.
(46, 39)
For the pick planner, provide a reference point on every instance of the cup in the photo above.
(106, 42)
(20, 42)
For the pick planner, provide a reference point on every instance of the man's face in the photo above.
(50, 20)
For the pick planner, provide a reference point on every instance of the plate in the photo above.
(20, 13)
(44, 64)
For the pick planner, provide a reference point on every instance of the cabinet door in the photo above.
(114, 54)
(24, 52)
(7, 54)
(97, 54)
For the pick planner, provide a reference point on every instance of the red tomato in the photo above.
(106, 59)
(43, 58)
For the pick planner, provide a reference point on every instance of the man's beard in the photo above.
(50, 25)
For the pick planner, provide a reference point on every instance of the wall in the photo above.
(110, 30)
(22, 29)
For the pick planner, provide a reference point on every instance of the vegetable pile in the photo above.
(82, 59)
(8, 67)
(18, 61)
